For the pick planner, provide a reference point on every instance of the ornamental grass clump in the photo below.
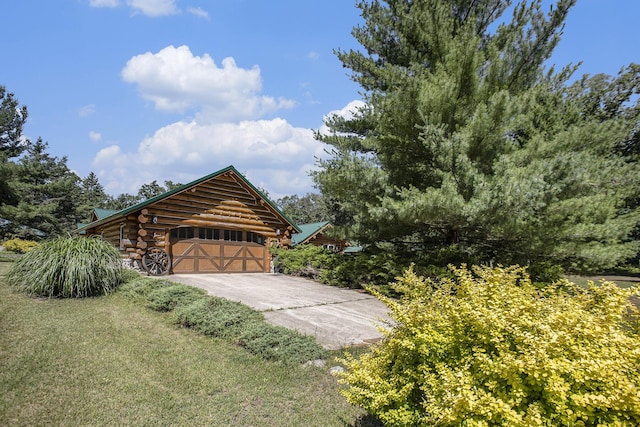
(489, 349)
(68, 267)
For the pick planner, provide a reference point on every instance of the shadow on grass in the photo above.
(365, 421)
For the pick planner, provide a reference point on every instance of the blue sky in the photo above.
(137, 90)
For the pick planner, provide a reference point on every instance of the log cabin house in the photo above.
(316, 234)
(219, 223)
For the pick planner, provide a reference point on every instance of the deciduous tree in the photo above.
(145, 192)
(122, 201)
(309, 208)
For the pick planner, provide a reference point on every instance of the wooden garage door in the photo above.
(195, 255)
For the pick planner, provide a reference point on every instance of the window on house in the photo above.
(255, 238)
(204, 233)
(233, 235)
(182, 233)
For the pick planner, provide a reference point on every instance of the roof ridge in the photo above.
(184, 187)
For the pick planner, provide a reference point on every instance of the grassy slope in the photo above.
(621, 281)
(106, 361)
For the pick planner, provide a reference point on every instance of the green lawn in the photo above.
(108, 361)
(621, 281)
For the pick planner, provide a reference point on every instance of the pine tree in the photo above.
(468, 145)
(46, 192)
(92, 195)
(12, 120)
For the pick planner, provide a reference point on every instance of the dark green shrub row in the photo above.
(378, 267)
(139, 288)
(278, 343)
(357, 270)
(349, 270)
(221, 318)
(305, 260)
(217, 317)
(68, 267)
(169, 297)
(545, 272)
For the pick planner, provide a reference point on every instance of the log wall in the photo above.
(222, 202)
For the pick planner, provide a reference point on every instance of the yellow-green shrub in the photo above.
(19, 245)
(487, 349)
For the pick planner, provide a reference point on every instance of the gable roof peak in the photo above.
(229, 170)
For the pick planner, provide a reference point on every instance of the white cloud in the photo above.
(176, 80)
(95, 136)
(347, 112)
(275, 155)
(104, 3)
(154, 8)
(87, 110)
(199, 12)
(313, 55)
(227, 126)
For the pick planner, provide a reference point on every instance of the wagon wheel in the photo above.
(156, 261)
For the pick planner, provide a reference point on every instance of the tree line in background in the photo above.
(41, 197)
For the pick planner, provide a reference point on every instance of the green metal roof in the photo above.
(306, 231)
(141, 205)
(103, 213)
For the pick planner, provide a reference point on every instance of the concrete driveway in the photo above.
(336, 317)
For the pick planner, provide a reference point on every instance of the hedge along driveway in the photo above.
(336, 317)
